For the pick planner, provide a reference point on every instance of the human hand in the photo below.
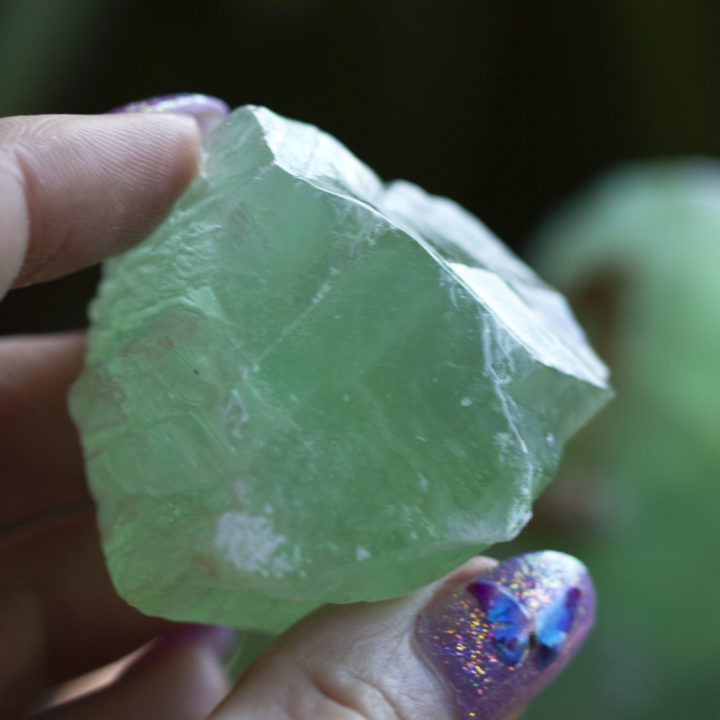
(73, 191)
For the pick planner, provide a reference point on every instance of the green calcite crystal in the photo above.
(308, 387)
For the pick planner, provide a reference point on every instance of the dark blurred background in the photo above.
(507, 107)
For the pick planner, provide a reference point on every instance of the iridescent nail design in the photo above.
(208, 111)
(499, 639)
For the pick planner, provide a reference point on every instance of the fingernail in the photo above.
(501, 638)
(219, 640)
(208, 111)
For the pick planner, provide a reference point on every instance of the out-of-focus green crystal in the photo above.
(307, 387)
(640, 250)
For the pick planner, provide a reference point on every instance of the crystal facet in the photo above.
(307, 386)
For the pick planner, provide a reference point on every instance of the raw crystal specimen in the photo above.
(307, 387)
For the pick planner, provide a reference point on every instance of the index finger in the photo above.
(76, 189)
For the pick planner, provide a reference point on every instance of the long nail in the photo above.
(208, 111)
(502, 637)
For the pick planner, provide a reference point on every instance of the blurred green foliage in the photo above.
(640, 254)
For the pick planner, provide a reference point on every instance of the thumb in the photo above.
(478, 644)
(76, 189)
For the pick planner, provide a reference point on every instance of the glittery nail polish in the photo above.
(500, 638)
(208, 111)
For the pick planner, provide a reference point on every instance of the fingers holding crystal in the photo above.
(59, 615)
(179, 677)
(40, 457)
(75, 190)
(442, 653)
(499, 639)
(208, 111)
(349, 662)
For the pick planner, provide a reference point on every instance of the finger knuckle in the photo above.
(338, 694)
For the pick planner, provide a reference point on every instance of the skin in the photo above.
(73, 191)
(62, 178)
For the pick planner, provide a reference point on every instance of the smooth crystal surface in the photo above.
(307, 386)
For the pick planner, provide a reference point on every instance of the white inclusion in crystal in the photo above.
(346, 398)
(466, 402)
(499, 369)
(250, 543)
(449, 283)
(422, 482)
(361, 553)
(471, 531)
(505, 445)
(234, 413)
(452, 292)
(321, 293)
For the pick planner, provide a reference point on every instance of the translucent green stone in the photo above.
(307, 387)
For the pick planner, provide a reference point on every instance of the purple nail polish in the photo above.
(499, 639)
(208, 111)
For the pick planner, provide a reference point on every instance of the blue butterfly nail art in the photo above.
(515, 631)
